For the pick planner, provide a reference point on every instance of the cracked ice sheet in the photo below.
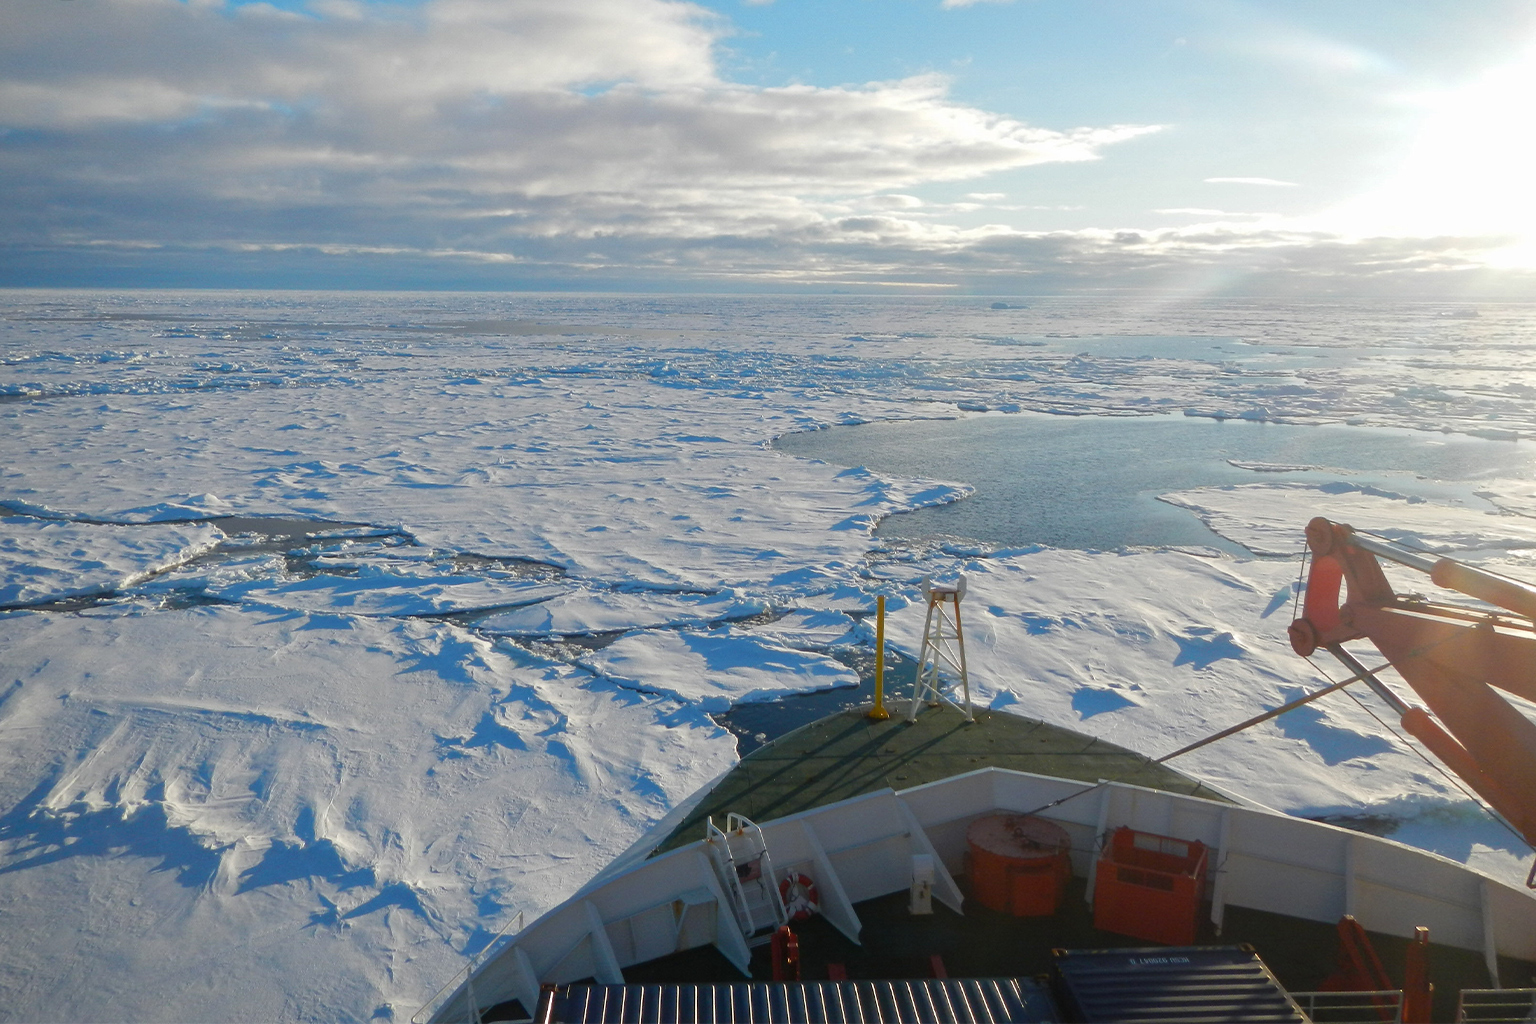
(811, 628)
(592, 476)
(585, 612)
(319, 812)
(391, 588)
(175, 509)
(716, 669)
(41, 561)
(1154, 650)
(1517, 496)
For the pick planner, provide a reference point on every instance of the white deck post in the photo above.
(728, 937)
(525, 981)
(835, 904)
(1106, 798)
(603, 957)
(1219, 886)
(1490, 934)
(944, 886)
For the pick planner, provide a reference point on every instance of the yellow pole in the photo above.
(878, 712)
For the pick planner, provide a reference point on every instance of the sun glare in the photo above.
(1470, 170)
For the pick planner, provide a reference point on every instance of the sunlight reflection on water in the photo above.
(1092, 482)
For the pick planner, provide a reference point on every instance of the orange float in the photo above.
(1019, 864)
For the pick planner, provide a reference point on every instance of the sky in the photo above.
(1298, 148)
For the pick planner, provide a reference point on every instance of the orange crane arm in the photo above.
(1454, 657)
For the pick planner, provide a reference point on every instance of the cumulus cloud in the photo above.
(480, 143)
(486, 125)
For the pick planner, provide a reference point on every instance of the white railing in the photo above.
(1384, 1007)
(1496, 1004)
(419, 1017)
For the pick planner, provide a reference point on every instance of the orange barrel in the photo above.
(1018, 864)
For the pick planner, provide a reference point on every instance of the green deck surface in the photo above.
(848, 754)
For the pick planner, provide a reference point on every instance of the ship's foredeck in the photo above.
(1283, 882)
(849, 754)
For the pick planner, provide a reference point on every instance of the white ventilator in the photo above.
(943, 643)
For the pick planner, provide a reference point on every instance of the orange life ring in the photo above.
(799, 896)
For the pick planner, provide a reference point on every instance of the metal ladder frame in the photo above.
(727, 867)
(943, 641)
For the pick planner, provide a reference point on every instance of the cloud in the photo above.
(1248, 217)
(822, 247)
(160, 59)
(1255, 34)
(493, 143)
(1271, 182)
(456, 125)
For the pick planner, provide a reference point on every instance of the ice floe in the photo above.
(717, 668)
(1264, 517)
(816, 628)
(587, 611)
(402, 588)
(346, 802)
(43, 560)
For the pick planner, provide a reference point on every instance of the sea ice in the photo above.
(308, 808)
(401, 588)
(811, 628)
(43, 560)
(1264, 517)
(588, 611)
(715, 669)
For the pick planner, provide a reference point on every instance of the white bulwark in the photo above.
(865, 847)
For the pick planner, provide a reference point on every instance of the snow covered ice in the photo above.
(522, 547)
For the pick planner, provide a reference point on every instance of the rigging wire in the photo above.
(1297, 588)
(1223, 734)
(1300, 586)
(1333, 686)
(1449, 777)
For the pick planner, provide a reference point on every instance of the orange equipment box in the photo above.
(1018, 864)
(1150, 887)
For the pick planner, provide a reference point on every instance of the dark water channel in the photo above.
(754, 724)
(302, 543)
(1092, 482)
